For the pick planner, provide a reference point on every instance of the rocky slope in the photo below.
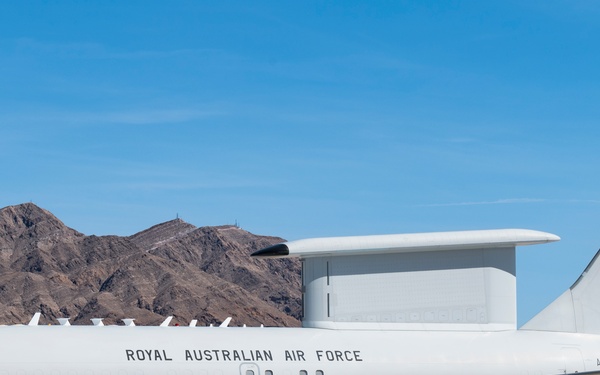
(173, 268)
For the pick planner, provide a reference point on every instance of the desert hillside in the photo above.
(173, 268)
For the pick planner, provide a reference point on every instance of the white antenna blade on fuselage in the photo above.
(225, 322)
(35, 319)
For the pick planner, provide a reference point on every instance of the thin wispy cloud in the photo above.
(510, 201)
(128, 117)
(214, 184)
(147, 176)
(461, 140)
(595, 201)
(482, 203)
(88, 50)
(153, 116)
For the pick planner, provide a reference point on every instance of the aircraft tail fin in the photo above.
(577, 309)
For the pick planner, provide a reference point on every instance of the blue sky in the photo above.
(304, 119)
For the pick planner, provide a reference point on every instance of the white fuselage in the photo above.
(111, 350)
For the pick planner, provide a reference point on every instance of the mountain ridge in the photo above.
(171, 268)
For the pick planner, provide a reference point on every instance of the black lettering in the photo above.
(288, 356)
(140, 355)
(149, 352)
(165, 355)
(226, 355)
(337, 355)
(129, 354)
(213, 355)
(157, 356)
(300, 354)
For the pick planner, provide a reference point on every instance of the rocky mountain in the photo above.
(173, 268)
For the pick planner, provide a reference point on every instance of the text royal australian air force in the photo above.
(242, 355)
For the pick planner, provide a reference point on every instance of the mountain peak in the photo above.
(16, 220)
(162, 233)
(26, 214)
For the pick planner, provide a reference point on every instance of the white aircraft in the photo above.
(429, 303)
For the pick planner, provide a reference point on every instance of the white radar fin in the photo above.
(97, 322)
(193, 322)
(166, 322)
(439, 281)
